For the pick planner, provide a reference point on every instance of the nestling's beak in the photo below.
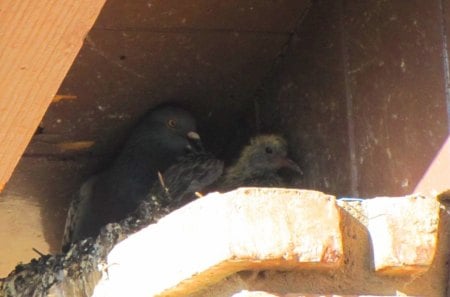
(288, 163)
(195, 143)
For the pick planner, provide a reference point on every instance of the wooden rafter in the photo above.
(39, 40)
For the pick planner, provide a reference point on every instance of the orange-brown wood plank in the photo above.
(39, 39)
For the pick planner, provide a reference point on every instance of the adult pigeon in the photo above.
(258, 165)
(163, 136)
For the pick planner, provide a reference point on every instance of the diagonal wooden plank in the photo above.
(39, 39)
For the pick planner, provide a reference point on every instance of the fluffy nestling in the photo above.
(163, 136)
(258, 164)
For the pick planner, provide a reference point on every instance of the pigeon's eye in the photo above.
(172, 123)
(269, 150)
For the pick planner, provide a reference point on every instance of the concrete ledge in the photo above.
(266, 294)
(403, 232)
(280, 229)
(221, 234)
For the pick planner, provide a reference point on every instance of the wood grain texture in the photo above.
(39, 41)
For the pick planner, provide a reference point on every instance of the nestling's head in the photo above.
(267, 153)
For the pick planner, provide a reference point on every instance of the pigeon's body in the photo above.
(181, 182)
(159, 140)
(258, 165)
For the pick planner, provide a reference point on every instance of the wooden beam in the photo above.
(39, 40)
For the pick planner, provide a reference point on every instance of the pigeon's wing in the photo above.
(191, 174)
(79, 211)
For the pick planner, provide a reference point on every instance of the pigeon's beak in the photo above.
(195, 143)
(193, 135)
(288, 163)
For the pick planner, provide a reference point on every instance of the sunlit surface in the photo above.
(437, 177)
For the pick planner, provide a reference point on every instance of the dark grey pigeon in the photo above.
(258, 165)
(158, 141)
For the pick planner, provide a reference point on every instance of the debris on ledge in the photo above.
(77, 272)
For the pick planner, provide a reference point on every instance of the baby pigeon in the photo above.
(258, 165)
(158, 141)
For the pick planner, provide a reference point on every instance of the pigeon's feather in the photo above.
(79, 208)
(193, 173)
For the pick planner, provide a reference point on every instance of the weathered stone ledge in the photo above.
(197, 246)
(266, 294)
(221, 234)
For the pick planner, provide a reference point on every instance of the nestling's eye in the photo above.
(172, 123)
(269, 150)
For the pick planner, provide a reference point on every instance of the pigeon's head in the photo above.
(168, 130)
(268, 153)
(176, 129)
